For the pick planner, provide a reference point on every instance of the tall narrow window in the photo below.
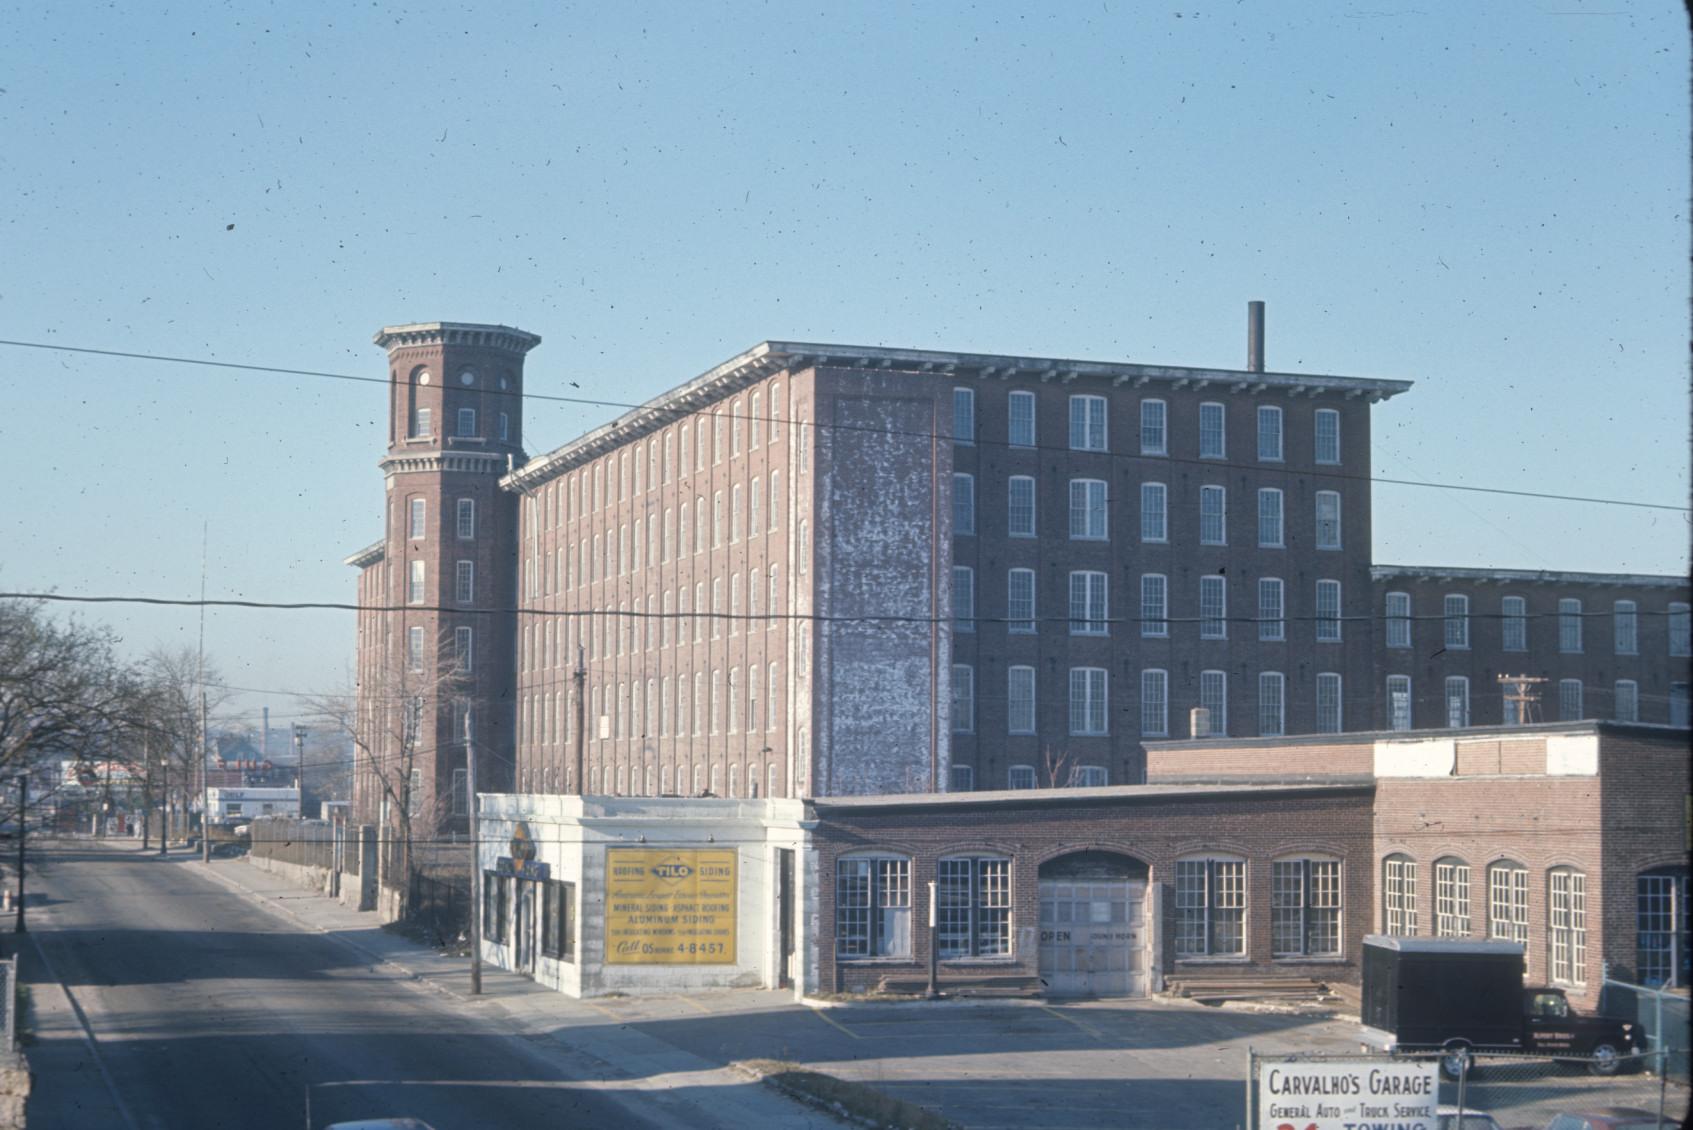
(505, 428)
(1328, 612)
(1507, 903)
(1020, 601)
(1457, 620)
(417, 510)
(963, 598)
(1678, 704)
(1213, 608)
(963, 415)
(1566, 925)
(1214, 697)
(421, 424)
(1457, 701)
(963, 698)
(872, 907)
(1020, 700)
(1305, 908)
(1272, 707)
(463, 659)
(414, 584)
(1154, 517)
(1087, 423)
(973, 907)
(1451, 898)
(464, 582)
(1329, 710)
(963, 503)
(1089, 607)
(1680, 628)
(1087, 701)
(1213, 516)
(1152, 428)
(1270, 518)
(1399, 702)
(1271, 624)
(1569, 625)
(1087, 509)
(414, 649)
(1154, 703)
(1154, 605)
(755, 500)
(466, 519)
(1021, 423)
(1328, 519)
(1269, 434)
(1627, 704)
(1210, 907)
(775, 498)
(1661, 927)
(1626, 627)
(1213, 436)
(467, 422)
(1326, 433)
(1399, 896)
(736, 419)
(1513, 623)
(1020, 507)
(735, 514)
(1398, 619)
(1569, 700)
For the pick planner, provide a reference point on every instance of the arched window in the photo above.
(1210, 907)
(973, 906)
(1507, 903)
(1566, 925)
(1305, 907)
(1451, 898)
(1399, 896)
(872, 907)
(1661, 924)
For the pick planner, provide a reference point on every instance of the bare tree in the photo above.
(167, 724)
(62, 693)
(1055, 762)
(392, 722)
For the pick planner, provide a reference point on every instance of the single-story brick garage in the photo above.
(1260, 857)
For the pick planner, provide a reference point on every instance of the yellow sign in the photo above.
(670, 907)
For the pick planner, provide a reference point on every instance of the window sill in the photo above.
(867, 961)
(1325, 959)
(991, 962)
(1228, 959)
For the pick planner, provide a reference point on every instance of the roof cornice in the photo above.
(430, 462)
(367, 556)
(456, 333)
(1524, 576)
(775, 356)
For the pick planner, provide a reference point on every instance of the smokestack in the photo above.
(1255, 337)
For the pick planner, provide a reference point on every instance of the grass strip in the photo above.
(853, 1101)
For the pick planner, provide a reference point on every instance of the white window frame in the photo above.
(1020, 430)
(1329, 625)
(963, 698)
(1020, 517)
(466, 423)
(1213, 515)
(1397, 616)
(886, 909)
(1214, 697)
(417, 519)
(1154, 512)
(1328, 519)
(1219, 449)
(464, 657)
(1455, 620)
(1214, 607)
(1680, 623)
(416, 582)
(1211, 907)
(1455, 697)
(1570, 705)
(1513, 623)
(1154, 427)
(1399, 896)
(1272, 519)
(1566, 925)
(964, 416)
(464, 582)
(1090, 603)
(963, 598)
(1331, 703)
(1090, 708)
(1089, 501)
(1625, 627)
(1020, 605)
(1020, 712)
(1272, 613)
(1399, 712)
(963, 503)
(414, 649)
(1569, 626)
(1326, 444)
(1451, 898)
(466, 519)
(1154, 702)
(1155, 605)
(1625, 701)
(1272, 704)
(1021, 777)
(1307, 901)
(1089, 426)
(1271, 434)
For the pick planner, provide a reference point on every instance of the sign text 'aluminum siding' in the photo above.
(670, 907)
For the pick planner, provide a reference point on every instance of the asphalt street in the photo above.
(208, 1011)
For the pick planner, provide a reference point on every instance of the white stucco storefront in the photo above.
(596, 895)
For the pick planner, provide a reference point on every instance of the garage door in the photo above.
(1093, 937)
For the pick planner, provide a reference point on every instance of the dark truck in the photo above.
(1461, 997)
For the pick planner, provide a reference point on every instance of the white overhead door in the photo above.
(1093, 937)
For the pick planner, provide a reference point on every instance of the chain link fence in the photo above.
(1475, 1092)
(1661, 1013)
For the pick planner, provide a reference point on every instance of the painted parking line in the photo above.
(1088, 1028)
(694, 1004)
(602, 1010)
(823, 1015)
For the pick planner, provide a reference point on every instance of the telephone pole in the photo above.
(475, 861)
(580, 678)
(1523, 691)
(23, 829)
(300, 767)
(205, 788)
(164, 813)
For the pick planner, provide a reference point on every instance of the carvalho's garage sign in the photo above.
(670, 907)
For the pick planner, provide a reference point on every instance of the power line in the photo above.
(683, 413)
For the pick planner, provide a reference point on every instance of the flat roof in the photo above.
(369, 555)
(1008, 798)
(1526, 576)
(1361, 737)
(769, 357)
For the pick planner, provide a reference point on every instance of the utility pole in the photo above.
(23, 829)
(300, 767)
(164, 813)
(580, 678)
(1523, 691)
(205, 788)
(146, 806)
(934, 990)
(475, 862)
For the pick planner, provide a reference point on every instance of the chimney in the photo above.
(1255, 337)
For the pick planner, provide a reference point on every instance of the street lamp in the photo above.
(164, 805)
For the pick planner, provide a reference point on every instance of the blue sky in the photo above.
(1488, 200)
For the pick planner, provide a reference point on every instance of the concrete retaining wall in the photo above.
(14, 1090)
(302, 876)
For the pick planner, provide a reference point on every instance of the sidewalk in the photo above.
(622, 1058)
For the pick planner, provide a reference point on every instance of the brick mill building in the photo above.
(900, 588)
